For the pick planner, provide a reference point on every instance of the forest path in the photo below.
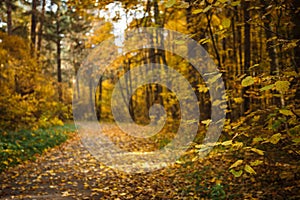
(70, 171)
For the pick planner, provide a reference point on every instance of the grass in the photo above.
(17, 147)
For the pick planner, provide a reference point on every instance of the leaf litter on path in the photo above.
(71, 172)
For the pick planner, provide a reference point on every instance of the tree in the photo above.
(57, 25)
(41, 27)
(9, 16)
(33, 26)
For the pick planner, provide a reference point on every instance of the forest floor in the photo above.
(69, 171)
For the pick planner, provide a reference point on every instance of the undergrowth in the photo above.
(17, 147)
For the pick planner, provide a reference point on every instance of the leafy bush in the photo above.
(16, 147)
(28, 97)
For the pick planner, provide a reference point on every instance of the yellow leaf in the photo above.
(170, 3)
(5, 162)
(236, 173)
(85, 185)
(247, 81)
(282, 86)
(65, 194)
(226, 23)
(256, 118)
(197, 11)
(97, 190)
(227, 143)
(268, 87)
(235, 3)
(286, 112)
(296, 140)
(258, 151)
(236, 164)
(207, 8)
(238, 145)
(274, 139)
(256, 162)
(214, 78)
(249, 169)
(238, 100)
(257, 140)
(184, 4)
(206, 122)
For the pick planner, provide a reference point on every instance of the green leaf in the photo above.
(268, 87)
(170, 3)
(236, 164)
(222, 1)
(247, 81)
(249, 169)
(236, 173)
(258, 151)
(275, 138)
(286, 112)
(282, 86)
(226, 23)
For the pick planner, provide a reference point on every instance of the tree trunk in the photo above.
(247, 51)
(213, 41)
(99, 107)
(33, 26)
(9, 17)
(247, 42)
(270, 44)
(58, 55)
(296, 33)
(40, 31)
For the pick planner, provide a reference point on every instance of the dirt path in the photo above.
(71, 172)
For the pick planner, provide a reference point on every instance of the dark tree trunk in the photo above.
(161, 56)
(270, 43)
(239, 35)
(33, 26)
(99, 108)
(296, 33)
(58, 55)
(213, 41)
(9, 16)
(247, 42)
(234, 52)
(40, 31)
(247, 51)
